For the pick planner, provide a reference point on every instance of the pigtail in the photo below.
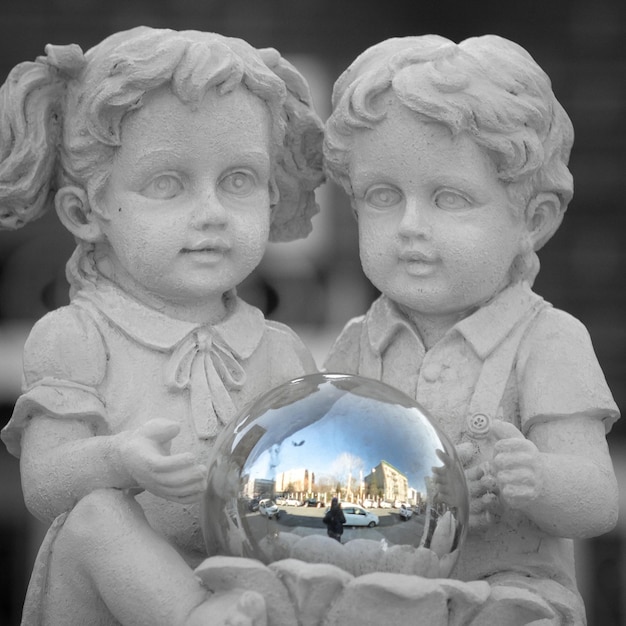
(30, 130)
(299, 169)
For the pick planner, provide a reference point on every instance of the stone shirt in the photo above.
(554, 374)
(111, 361)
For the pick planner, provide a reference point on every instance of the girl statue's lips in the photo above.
(416, 255)
(207, 251)
(417, 263)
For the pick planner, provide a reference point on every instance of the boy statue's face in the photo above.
(437, 231)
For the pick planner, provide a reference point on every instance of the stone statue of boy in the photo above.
(455, 160)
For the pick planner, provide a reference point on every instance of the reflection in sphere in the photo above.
(277, 466)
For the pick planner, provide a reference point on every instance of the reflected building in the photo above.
(415, 496)
(387, 482)
(293, 480)
(258, 487)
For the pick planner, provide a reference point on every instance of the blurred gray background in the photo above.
(317, 285)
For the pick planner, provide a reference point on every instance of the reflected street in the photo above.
(307, 521)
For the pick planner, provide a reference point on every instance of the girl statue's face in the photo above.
(186, 209)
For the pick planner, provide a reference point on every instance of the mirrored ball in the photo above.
(276, 468)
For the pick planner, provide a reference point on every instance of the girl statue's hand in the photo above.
(145, 455)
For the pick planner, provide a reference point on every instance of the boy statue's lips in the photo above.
(207, 245)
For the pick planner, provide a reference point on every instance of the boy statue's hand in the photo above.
(502, 470)
(516, 466)
(145, 455)
(481, 486)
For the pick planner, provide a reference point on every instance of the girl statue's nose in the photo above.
(209, 210)
(415, 221)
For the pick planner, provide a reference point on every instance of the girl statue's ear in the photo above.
(72, 206)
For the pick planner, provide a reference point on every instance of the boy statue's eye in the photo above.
(163, 187)
(451, 200)
(383, 197)
(239, 183)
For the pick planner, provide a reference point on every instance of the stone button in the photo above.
(478, 425)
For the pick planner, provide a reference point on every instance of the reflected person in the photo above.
(334, 520)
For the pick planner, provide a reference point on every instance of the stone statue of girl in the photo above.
(173, 158)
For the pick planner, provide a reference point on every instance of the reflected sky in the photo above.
(337, 428)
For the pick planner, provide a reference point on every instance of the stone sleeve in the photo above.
(559, 375)
(64, 363)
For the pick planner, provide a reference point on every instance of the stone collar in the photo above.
(241, 329)
(484, 329)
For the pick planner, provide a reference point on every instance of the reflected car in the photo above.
(268, 508)
(358, 516)
(406, 512)
(293, 502)
(384, 504)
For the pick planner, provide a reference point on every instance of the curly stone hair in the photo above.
(61, 116)
(488, 87)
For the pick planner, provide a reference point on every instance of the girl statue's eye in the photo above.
(239, 183)
(451, 200)
(163, 187)
(383, 197)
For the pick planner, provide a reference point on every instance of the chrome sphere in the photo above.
(276, 468)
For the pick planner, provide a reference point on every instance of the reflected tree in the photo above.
(346, 468)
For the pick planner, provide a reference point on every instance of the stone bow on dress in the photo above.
(205, 365)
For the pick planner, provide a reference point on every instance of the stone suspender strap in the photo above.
(489, 390)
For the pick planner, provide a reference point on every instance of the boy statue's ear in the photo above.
(72, 206)
(543, 216)
(274, 192)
